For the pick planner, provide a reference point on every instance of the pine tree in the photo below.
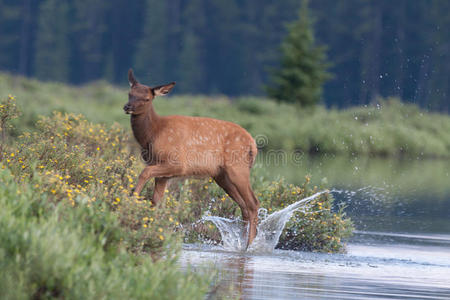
(52, 42)
(191, 69)
(10, 22)
(303, 69)
(150, 59)
(88, 28)
(191, 72)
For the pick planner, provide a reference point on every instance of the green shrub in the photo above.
(317, 227)
(50, 250)
(251, 105)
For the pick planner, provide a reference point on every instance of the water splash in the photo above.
(269, 229)
(231, 231)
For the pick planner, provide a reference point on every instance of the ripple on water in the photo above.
(377, 265)
(367, 271)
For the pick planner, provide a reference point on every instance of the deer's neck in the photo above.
(144, 126)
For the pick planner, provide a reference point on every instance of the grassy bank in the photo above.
(390, 128)
(70, 229)
(52, 250)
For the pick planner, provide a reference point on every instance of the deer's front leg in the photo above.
(165, 171)
(160, 187)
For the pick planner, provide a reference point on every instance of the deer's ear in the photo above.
(163, 89)
(133, 81)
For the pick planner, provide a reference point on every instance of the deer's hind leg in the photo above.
(240, 178)
(237, 184)
(224, 182)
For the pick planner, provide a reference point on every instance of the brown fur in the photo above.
(175, 146)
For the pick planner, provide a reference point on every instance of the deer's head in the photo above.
(141, 96)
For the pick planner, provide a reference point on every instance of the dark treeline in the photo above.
(383, 47)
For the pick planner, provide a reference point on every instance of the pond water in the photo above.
(400, 250)
(387, 195)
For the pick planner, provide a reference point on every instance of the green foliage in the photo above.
(53, 41)
(57, 251)
(317, 227)
(10, 20)
(8, 112)
(303, 65)
(150, 58)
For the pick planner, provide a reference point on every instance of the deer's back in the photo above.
(202, 145)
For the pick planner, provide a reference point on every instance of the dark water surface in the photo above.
(376, 270)
(400, 250)
(389, 195)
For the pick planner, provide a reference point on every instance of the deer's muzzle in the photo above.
(128, 108)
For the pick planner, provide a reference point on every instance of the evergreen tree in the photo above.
(191, 74)
(52, 42)
(10, 23)
(151, 55)
(88, 29)
(439, 87)
(226, 47)
(303, 65)
(124, 29)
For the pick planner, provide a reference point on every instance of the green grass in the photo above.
(391, 128)
(50, 250)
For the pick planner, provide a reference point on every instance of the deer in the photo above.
(184, 146)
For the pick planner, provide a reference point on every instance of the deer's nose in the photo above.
(127, 107)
